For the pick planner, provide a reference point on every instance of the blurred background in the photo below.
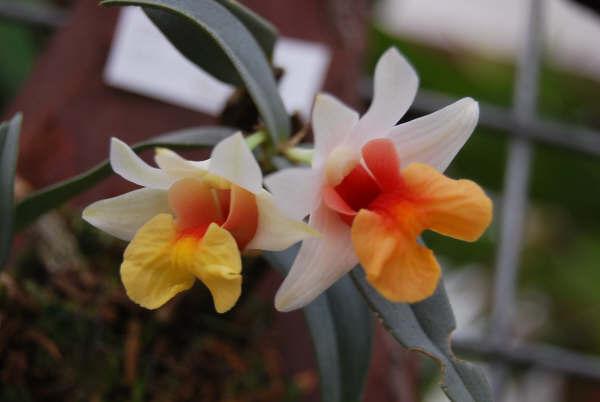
(67, 331)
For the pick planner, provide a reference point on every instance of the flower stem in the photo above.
(299, 155)
(255, 139)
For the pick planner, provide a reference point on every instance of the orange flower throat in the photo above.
(197, 204)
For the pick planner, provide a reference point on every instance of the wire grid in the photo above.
(33, 15)
(525, 128)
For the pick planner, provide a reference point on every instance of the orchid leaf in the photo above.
(263, 31)
(200, 48)
(53, 196)
(426, 327)
(9, 149)
(341, 327)
(209, 34)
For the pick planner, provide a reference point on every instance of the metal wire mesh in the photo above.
(525, 127)
(34, 15)
(523, 123)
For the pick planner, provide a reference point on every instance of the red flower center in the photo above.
(368, 189)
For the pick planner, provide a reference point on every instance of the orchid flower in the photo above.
(191, 221)
(374, 187)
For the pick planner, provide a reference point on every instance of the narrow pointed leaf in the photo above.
(341, 327)
(263, 31)
(426, 327)
(199, 47)
(354, 328)
(189, 23)
(53, 196)
(9, 149)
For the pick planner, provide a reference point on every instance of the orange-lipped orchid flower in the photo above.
(375, 186)
(191, 221)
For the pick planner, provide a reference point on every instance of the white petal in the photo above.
(276, 231)
(177, 167)
(435, 139)
(320, 262)
(394, 89)
(122, 216)
(296, 190)
(332, 122)
(131, 167)
(232, 160)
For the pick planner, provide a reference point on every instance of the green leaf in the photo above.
(9, 149)
(51, 197)
(264, 32)
(200, 48)
(341, 328)
(198, 27)
(426, 327)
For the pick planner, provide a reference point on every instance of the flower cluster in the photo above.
(372, 189)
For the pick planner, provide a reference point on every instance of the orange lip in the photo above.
(388, 209)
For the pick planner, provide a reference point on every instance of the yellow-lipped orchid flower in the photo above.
(375, 186)
(191, 221)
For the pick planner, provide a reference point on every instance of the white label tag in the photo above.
(141, 60)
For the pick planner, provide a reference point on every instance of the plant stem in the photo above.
(255, 139)
(299, 155)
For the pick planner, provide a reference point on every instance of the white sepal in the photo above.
(332, 122)
(131, 167)
(319, 263)
(295, 190)
(436, 138)
(276, 231)
(122, 216)
(232, 160)
(177, 167)
(394, 88)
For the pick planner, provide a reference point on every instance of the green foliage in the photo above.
(426, 327)
(18, 49)
(9, 149)
(200, 47)
(53, 196)
(263, 31)
(341, 328)
(191, 24)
